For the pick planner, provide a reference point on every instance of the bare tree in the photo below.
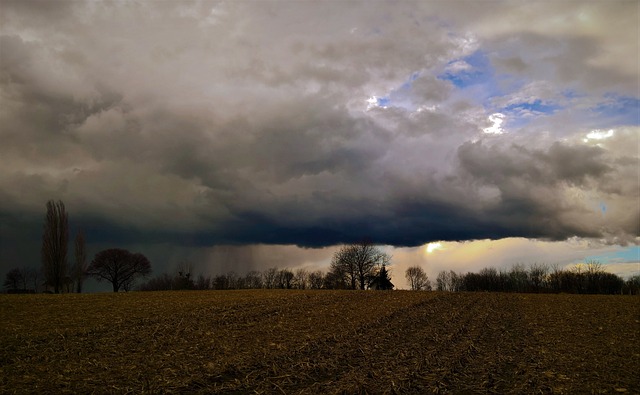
(455, 281)
(418, 279)
(220, 282)
(335, 279)
(519, 277)
(359, 262)
(185, 269)
(54, 245)
(632, 285)
(285, 279)
(316, 280)
(555, 277)
(594, 272)
(183, 278)
(301, 279)
(202, 282)
(14, 279)
(449, 281)
(253, 279)
(442, 281)
(232, 280)
(80, 267)
(343, 265)
(23, 280)
(269, 277)
(538, 275)
(119, 267)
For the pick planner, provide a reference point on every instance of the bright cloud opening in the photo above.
(496, 119)
(599, 135)
(375, 101)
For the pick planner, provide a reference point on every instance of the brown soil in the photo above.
(311, 342)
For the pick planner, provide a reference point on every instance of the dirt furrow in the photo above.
(397, 352)
(498, 346)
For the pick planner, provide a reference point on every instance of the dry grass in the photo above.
(319, 342)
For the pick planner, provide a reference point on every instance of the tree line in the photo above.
(272, 278)
(360, 265)
(586, 278)
(119, 267)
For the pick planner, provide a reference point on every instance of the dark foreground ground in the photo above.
(319, 342)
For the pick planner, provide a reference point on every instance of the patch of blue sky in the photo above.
(520, 114)
(476, 79)
(383, 101)
(571, 94)
(399, 97)
(537, 106)
(471, 70)
(603, 208)
(617, 110)
(629, 254)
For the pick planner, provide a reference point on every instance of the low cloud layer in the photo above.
(312, 124)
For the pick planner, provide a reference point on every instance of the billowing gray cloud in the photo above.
(544, 193)
(207, 123)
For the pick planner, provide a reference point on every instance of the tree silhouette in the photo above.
(382, 281)
(119, 267)
(80, 267)
(358, 262)
(301, 279)
(269, 277)
(253, 279)
(14, 279)
(285, 279)
(316, 280)
(54, 245)
(417, 278)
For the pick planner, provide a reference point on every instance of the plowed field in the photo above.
(312, 342)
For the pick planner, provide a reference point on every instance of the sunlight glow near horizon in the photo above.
(431, 247)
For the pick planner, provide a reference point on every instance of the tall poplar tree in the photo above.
(54, 245)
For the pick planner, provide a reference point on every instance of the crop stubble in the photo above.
(311, 342)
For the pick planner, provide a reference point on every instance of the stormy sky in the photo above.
(245, 135)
